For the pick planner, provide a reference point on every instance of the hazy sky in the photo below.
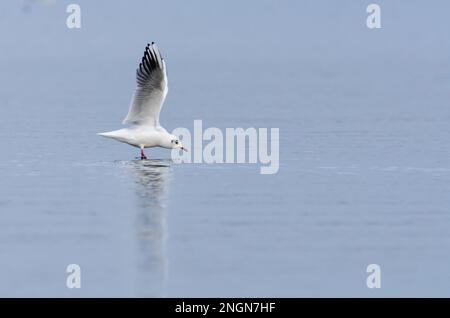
(227, 29)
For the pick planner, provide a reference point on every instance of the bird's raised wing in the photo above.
(151, 89)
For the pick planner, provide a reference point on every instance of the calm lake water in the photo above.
(364, 159)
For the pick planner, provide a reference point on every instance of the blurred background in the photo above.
(364, 160)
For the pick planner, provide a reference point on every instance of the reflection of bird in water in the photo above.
(152, 178)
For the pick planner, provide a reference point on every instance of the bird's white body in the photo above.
(141, 136)
(148, 99)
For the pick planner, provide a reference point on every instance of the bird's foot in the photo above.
(143, 156)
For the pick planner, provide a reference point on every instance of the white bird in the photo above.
(143, 115)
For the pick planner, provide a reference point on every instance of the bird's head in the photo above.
(176, 144)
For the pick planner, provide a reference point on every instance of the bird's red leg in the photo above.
(143, 156)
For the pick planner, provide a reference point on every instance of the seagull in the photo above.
(143, 115)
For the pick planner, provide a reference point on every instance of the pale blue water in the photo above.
(364, 159)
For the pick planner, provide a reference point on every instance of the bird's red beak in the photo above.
(184, 149)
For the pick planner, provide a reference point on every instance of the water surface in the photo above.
(364, 160)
